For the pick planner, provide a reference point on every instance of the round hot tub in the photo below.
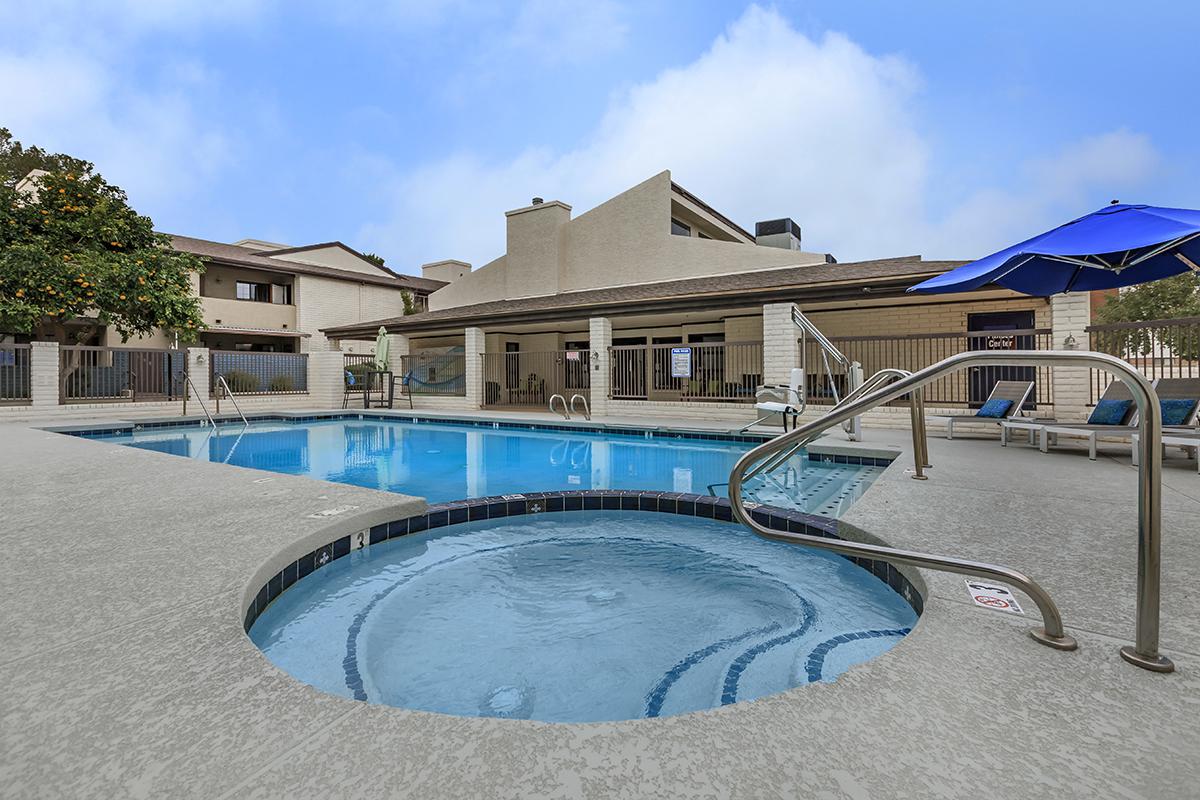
(578, 616)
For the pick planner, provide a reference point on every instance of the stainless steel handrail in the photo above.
(229, 393)
(1144, 652)
(565, 411)
(920, 440)
(805, 324)
(187, 379)
(587, 411)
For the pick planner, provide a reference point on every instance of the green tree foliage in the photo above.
(410, 305)
(1169, 298)
(377, 260)
(72, 250)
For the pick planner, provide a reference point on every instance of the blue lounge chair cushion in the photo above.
(1177, 412)
(1109, 412)
(994, 408)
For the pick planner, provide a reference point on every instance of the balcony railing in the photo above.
(14, 374)
(249, 372)
(1158, 348)
(916, 351)
(719, 371)
(531, 379)
(113, 374)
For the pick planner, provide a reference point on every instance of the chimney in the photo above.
(449, 270)
(533, 247)
(784, 233)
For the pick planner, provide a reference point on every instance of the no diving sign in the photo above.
(997, 598)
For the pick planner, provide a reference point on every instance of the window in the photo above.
(257, 292)
(277, 293)
(680, 229)
(703, 235)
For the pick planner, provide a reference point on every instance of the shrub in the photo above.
(241, 382)
(283, 383)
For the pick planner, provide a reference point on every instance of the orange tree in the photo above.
(73, 251)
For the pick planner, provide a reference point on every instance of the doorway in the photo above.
(1002, 330)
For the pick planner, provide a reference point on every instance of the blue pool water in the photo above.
(444, 461)
(579, 617)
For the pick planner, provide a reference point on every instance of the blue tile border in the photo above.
(815, 665)
(648, 433)
(499, 507)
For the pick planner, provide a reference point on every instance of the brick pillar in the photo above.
(472, 353)
(599, 340)
(43, 374)
(327, 378)
(1070, 314)
(781, 346)
(199, 369)
(398, 348)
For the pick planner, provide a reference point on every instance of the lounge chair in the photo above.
(1186, 439)
(1003, 403)
(1169, 390)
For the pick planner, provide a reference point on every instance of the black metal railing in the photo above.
(1158, 348)
(532, 378)
(916, 351)
(90, 374)
(714, 371)
(15, 372)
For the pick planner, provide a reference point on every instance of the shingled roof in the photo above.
(819, 281)
(254, 258)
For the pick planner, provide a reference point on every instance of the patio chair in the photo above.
(1178, 396)
(406, 386)
(1003, 403)
(351, 387)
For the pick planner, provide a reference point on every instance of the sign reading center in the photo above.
(989, 595)
(681, 362)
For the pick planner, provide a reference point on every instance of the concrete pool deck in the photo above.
(125, 671)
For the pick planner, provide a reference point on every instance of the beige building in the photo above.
(655, 302)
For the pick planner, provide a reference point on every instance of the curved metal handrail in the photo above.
(187, 379)
(587, 411)
(1144, 653)
(565, 411)
(229, 393)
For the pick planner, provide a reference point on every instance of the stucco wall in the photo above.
(332, 257)
(323, 303)
(625, 240)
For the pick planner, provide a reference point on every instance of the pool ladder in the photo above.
(1144, 652)
(569, 408)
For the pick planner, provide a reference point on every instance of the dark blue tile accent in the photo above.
(305, 564)
(289, 575)
(437, 517)
(647, 502)
(398, 528)
(592, 502)
(341, 547)
(610, 502)
(379, 533)
(497, 509)
(629, 502)
(418, 523)
(685, 507)
(457, 514)
(251, 615)
(477, 511)
(555, 502)
(574, 502)
(322, 556)
(274, 586)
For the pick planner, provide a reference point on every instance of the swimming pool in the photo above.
(579, 616)
(443, 461)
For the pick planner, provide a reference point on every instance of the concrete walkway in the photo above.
(125, 672)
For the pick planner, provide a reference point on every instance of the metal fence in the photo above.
(720, 371)
(14, 374)
(436, 374)
(919, 350)
(105, 374)
(531, 379)
(1159, 348)
(249, 372)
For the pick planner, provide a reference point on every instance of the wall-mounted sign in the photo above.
(572, 355)
(681, 362)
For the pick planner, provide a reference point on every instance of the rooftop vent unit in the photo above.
(784, 233)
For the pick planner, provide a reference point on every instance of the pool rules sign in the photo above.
(997, 598)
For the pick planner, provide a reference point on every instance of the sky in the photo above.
(884, 128)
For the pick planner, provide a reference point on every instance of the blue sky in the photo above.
(407, 128)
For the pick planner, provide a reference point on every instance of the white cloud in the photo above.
(71, 86)
(768, 122)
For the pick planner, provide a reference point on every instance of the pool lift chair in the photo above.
(795, 394)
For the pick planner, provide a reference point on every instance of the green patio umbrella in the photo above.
(381, 349)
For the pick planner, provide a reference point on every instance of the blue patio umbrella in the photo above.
(1119, 245)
